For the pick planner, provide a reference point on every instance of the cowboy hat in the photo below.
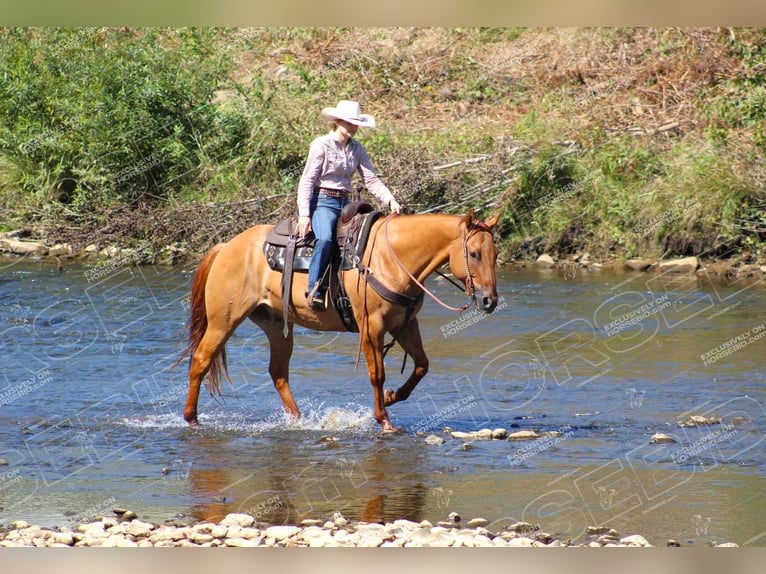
(349, 111)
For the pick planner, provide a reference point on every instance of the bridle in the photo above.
(470, 289)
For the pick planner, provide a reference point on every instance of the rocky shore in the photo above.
(125, 529)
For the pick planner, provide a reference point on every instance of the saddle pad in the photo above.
(354, 237)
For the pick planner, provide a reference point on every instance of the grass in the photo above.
(557, 129)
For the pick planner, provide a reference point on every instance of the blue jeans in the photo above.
(324, 214)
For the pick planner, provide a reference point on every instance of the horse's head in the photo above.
(473, 259)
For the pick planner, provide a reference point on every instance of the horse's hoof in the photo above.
(389, 397)
(193, 423)
(388, 428)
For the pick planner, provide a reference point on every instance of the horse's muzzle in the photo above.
(486, 300)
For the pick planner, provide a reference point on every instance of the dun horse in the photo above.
(234, 282)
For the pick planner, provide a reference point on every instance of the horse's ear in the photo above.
(469, 219)
(492, 221)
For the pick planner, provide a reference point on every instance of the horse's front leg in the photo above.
(372, 343)
(412, 344)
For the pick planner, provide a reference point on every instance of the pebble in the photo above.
(433, 439)
(661, 438)
(240, 530)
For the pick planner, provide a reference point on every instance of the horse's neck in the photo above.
(423, 242)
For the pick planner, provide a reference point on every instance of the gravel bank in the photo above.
(124, 529)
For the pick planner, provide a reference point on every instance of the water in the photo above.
(90, 409)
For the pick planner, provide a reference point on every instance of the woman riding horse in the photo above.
(325, 186)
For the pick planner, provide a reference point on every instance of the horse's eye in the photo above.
(474, 255)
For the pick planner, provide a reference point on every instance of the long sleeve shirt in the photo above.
(330, 165)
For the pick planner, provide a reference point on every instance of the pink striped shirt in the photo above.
(330, 165)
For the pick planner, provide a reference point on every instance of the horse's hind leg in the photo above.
(280, 349)
(412, 344)
(207, 351)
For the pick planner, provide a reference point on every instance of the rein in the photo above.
(470, 290)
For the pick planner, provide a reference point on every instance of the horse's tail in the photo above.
(198, 323)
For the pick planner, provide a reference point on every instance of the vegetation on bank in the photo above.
(619, 142)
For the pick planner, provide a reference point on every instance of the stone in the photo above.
(522, 527)
(200, 537)
(63, 538)
(520, 542)
(281, 532)
(137, 528)
(311, 522)
(596, 530)
(433, 439)
(674, 543)
(248, 533)
(19, 524)
(683, 265)
(484, 434)
(499, 434)
(462, 435)
(635, 540)
(61, 250)
(661, 438)
(235, 519)
(699, 420)
(727, 545)
(240, 543)
(545, 260)
(17, 247)
(638, 264)
(453, 517)
(219, 531)
(477, 522)
(524, 435)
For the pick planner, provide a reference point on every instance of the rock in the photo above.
(521, 527)
(545, 260)
(240, 543)
(311, 522)
(727, 545)
(219, 531)
(499, 434)
(683, 265)
(453, 517)
(475, 522)
(484, 434)
(138, 529)
(596, 530)
(433, 439)
(674, 543)
(17, 247)
(462, 435)
(63, 538)
(661, 438)
(281, 532)
(235, 519)
(19, 524)
(61, 250)
(200, 537)
(3, 462)
(638, 264)
(698, 420)
(247, 533)
(635, 540)
(524, 435)
(520, 542)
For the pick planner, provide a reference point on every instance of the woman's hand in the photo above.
(395, 207)
(304, 225)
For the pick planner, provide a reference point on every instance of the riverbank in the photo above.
(20, 245)
(125, 529)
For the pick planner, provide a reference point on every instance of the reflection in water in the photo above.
(294, 481)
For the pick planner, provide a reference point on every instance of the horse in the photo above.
(234, 282)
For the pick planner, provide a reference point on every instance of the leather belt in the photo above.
(335, 193)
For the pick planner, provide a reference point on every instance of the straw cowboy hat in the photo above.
(349, 111)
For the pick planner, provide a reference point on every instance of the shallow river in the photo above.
(90, 409)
